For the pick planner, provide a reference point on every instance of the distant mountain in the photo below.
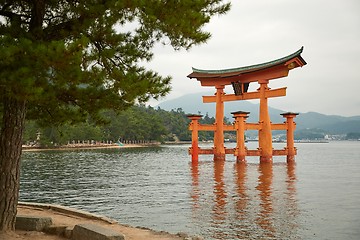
(333, 124)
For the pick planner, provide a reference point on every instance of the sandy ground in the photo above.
(68, 218)
(22, 235)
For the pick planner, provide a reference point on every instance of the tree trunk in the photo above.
(10, 153)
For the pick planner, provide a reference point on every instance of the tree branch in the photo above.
(56, 32)
(9, 14)
(37, 17)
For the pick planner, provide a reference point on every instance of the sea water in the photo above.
(318, 197)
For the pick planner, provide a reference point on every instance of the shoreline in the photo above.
(70, 217)
(85, 147)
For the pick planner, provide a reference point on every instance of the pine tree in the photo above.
(63, 60)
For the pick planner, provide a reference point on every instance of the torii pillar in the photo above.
(240, 121)
(290, 128)
(194, 127)
(219, 149)
(265, 135)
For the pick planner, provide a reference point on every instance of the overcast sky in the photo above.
(257, 31)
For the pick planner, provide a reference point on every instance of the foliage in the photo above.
(353, 136)
(138, 123)
(310, 134)
(68, 59)
(206, 135)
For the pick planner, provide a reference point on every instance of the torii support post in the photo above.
(219, 149)
(194, 127)
(240, 122)
(265, 136)
(290, 128)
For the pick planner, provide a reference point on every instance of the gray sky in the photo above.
(257, 31)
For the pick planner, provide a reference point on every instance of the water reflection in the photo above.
(291, 200)
(242, 201)
(291, 180)
(265, 194)
(195, 185)
(219, 210)
(240, 180)
(220, 200)
(260, 202)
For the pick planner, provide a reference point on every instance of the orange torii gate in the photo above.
(240, 78)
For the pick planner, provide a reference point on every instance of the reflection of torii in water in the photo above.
(240, 78)
(270, 205)
(265, 179)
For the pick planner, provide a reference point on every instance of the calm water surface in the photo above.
(318, 198)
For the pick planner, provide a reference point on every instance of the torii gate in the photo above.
(240, 78)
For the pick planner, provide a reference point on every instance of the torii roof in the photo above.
(265, 71)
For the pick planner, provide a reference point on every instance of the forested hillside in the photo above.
(137, 124)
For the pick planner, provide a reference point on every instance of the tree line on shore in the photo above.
(138, 124)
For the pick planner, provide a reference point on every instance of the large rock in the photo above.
(95, 232)
(58, 230)
(32, 223)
